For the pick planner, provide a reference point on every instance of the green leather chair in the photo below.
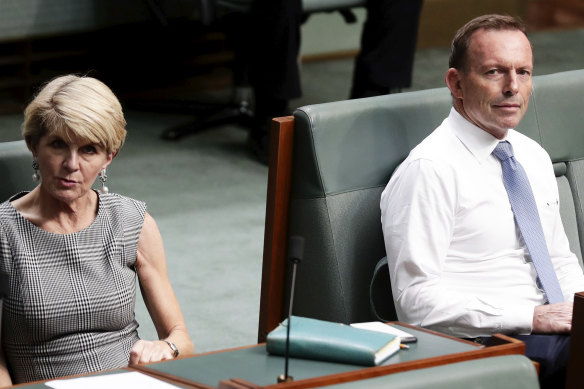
(509, 371)
(15, 169)
(326, 186)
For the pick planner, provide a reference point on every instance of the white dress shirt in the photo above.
(457, 262)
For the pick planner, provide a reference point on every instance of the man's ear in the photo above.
(453, 81)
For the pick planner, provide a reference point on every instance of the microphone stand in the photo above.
(295, 255)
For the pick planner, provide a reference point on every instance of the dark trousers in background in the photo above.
(274, 71)
(384, 63)
(388, 44)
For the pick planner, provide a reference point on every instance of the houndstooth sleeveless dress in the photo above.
(71, 304)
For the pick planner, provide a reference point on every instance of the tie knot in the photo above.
(503, 151)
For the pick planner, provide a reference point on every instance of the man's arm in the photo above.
(565, 262)
(418, 214)
(566, 265)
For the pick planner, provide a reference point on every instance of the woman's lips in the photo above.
(67, 183)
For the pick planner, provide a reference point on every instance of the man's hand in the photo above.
(552, 318)
(145, 351)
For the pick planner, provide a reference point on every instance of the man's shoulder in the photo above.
(516, 136)
(437, 146)
(436, 155)
(523, 144)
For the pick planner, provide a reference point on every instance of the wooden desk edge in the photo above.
(170, 378)
(505, 345)
(497, 339)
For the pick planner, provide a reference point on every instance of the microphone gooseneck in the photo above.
(295, 254)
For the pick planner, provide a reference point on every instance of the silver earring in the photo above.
(36, 177)
(103, 178)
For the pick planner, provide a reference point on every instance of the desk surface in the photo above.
(255, 365)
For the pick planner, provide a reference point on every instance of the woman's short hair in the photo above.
(461, 41)
(83, 106)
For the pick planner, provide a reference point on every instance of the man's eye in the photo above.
(89, 149)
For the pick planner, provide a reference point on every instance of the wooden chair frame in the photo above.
(575, 374)
(276, 227)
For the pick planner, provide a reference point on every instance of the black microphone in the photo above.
(295, 254)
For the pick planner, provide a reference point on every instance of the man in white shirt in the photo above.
(457, 260)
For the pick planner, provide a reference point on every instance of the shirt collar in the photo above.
(479, 142)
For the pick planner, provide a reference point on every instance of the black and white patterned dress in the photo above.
(71, 304)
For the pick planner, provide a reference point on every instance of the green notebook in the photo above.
(335, 342)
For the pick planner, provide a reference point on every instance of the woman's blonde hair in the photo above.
(83, 106)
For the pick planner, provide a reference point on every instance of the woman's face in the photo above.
(69, 167)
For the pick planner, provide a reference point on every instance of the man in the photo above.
(458, 259)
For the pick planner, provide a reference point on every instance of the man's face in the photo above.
(495, 86)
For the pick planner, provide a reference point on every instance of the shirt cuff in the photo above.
(518, 320)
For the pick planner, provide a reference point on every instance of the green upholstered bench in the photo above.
(329, 164)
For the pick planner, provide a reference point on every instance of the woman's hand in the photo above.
(145, 351)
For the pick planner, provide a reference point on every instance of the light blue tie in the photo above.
(527, 218)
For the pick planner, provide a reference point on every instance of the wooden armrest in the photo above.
(276, 227)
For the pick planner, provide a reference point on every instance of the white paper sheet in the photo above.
(381, 327)
(127, 380)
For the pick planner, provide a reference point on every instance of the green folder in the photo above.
(335, 342)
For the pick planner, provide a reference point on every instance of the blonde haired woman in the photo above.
(72, 254)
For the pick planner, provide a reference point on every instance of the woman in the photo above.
(72, 254)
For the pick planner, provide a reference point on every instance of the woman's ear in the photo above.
(109, 159)
(453, 81)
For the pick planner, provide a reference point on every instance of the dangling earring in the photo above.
(103, 178)
(36, 177)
